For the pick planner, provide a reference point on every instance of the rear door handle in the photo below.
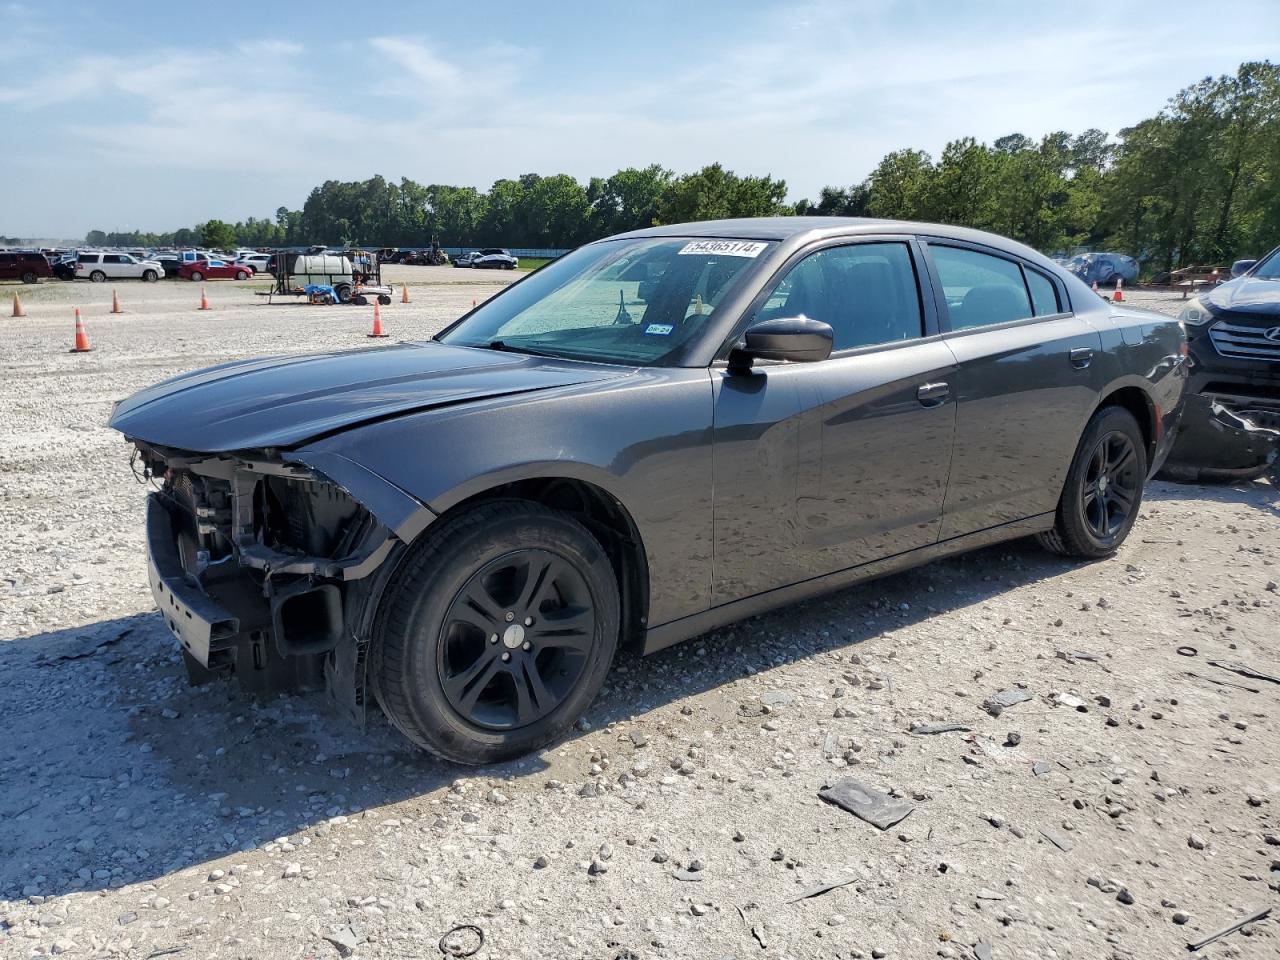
(932, 394)
(1081, 357)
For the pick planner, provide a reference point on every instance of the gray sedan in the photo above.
(655, 435)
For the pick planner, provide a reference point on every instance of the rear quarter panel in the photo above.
(1147, 350)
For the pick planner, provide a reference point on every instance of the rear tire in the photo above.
(196, 276)
(29, 277)
(1103, 490)
(496, 632)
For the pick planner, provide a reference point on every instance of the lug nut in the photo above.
(528, 621)
(510, 616)
(506, 658)
(493, 638)
(528, 646)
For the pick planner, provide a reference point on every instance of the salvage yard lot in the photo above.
(142, 816)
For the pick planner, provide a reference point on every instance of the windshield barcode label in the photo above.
(725, 248)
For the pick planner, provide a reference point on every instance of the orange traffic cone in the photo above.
(377, 322)
(82, 338)
(404, 293)
(1118, 296)
(204, 300)
(115, 302)
(17, 306)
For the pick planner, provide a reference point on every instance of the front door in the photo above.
(1025, 386)
(866, 445)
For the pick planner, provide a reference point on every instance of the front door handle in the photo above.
(1081, 357)
(932, 394)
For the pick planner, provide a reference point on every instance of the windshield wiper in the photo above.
(505, 347)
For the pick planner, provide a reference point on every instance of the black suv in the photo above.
(24, 265)
(1234, 338)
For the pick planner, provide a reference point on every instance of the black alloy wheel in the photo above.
(1110, 486)
(516, 639)
(495, 632)
(1103, 488)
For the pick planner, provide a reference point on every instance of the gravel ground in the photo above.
(1127, 806)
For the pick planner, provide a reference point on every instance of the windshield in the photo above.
(1269, 269)
(636, 302)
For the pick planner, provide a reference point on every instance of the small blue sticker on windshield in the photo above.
(661, 329)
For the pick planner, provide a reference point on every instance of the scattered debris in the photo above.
(1225, 931)
(454, 942)
(1057, 838)
(924, 729)
(1244, 670)
(344, 941)
(878, 809)
(89, 648)
(820, 889)
(982, 950)
(1068, 700)
(997, 703)
(689, 876)
(1222, 683)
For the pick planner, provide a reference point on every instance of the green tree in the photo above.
(714, 193)
(217, 235)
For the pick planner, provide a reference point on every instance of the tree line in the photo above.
(1199, 182)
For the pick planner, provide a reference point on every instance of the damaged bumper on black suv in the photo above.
(264, 570)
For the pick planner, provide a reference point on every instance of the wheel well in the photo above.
(1137, 403)
(607, 520)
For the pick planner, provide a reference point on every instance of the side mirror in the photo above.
(1240, 266)
(797, 339)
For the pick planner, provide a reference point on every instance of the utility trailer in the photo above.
(353, 276)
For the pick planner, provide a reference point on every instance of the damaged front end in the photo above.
(265, 570)
(1224, 439)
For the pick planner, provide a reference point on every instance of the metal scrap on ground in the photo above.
(1257, 915)
(927, 728)
(878, 809)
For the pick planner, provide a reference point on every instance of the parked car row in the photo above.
(31, 266)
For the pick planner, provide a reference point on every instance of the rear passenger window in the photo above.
(867, 292)
(1044, 297)
(980, 289)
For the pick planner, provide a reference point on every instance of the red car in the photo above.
(215, 270)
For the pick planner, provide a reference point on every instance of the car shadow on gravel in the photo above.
(116, 771)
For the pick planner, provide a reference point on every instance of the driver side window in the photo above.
(866, 292)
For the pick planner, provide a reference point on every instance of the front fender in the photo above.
(644, 440)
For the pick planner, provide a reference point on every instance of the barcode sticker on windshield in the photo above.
(725, 248)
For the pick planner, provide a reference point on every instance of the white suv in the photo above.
(97, 266)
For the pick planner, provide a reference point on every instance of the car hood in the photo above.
(1245, 295)
(285, 401)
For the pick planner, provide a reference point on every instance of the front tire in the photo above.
(98, 276)
(29, 277)
(1103, 489)
(149, 276)
(241, 275)
(496, 633)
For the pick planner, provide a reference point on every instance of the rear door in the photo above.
(8, 266)
(1025, 384)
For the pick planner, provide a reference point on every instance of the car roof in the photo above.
(801, 230)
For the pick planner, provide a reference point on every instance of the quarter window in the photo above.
(867, 292)
(1044, 298)
(980, 289)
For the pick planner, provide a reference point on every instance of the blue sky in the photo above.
(158, 115)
